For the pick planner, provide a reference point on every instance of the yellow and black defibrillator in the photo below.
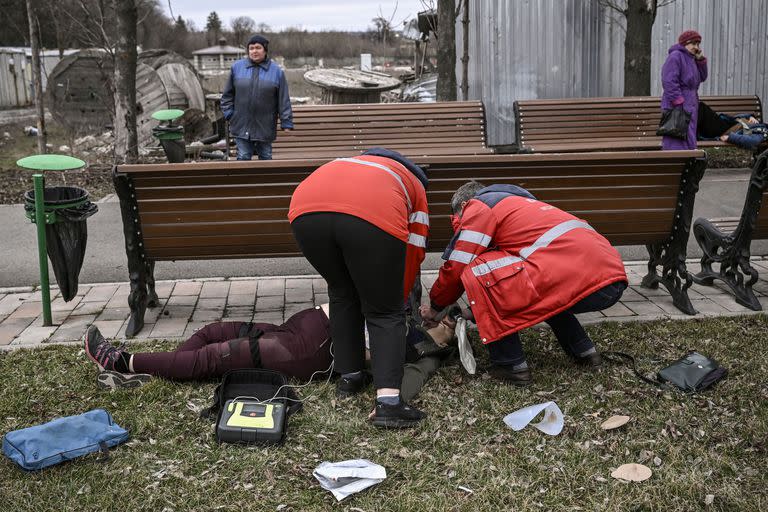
(251, 406)
(244, 420)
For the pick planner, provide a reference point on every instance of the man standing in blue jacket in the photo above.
(256, 94)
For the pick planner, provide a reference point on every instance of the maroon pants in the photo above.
(297, 348)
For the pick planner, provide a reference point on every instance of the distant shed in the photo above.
(217, 58)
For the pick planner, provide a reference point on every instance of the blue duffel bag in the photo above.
(63, 439)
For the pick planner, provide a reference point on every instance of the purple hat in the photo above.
(689, 36)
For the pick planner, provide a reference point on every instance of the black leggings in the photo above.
(364, 268)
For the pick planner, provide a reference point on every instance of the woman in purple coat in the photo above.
(684, 70)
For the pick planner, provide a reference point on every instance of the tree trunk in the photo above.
(465, 52)
(37, 75)
(126, 140)
(446, 50)
(640, 15)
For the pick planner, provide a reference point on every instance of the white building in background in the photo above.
(525, 49)
(216, 58)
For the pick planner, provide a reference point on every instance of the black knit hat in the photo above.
(257, 39)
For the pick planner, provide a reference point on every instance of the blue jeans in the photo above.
(246, 148)
(566, 327)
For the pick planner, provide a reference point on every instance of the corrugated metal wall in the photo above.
(522, 49)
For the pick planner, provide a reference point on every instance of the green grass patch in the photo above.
(728, 157)
(709, 444)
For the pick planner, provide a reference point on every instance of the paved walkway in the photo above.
(187, 305)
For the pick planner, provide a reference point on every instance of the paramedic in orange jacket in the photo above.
(362, 222)
(521, 262)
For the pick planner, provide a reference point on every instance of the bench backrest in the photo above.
(239, 209)
(577, 124)
(414, 129)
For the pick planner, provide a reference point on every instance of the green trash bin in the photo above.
(59, 213)
(171, 136)
(66, 232)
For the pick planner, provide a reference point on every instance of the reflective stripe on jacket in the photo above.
(522, 261)
(376, 189)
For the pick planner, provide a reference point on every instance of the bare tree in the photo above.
(639, 16)
(37, 75)
(382, 29)
(446, 50)
(465, 52)
(126, 137)
(242, 27)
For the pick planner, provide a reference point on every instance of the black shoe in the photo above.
(114, 380)
(401, 415)
(507, 374)
(592, 360)
(346, 387)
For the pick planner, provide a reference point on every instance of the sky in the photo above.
(345, 15)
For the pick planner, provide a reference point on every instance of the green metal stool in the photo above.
(171, 136)
(41, 217)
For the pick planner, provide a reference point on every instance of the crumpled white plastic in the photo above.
(348, 476)
(466, 356)
(551, 424)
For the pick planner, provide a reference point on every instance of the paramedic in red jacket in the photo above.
(362, 222)
(521, 262)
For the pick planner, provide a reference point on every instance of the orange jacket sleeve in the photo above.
(418, 231)
(476, 230)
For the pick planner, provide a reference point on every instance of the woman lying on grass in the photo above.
(298, 348)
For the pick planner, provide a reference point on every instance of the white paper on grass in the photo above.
(348, 476)
(551, 424)
(466, 356)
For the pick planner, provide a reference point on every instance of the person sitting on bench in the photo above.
(298, 348)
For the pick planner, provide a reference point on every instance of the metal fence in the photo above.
(523, 49)
(16, 75)
(14, 90)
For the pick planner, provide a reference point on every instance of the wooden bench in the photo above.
(239, 209)
(413, 129)
(727, 241)
(606, 124)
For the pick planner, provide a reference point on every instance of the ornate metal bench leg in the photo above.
(671, 254)
(137, 300)
(731, 250)
(152, 300)
(138, 268)
(675, 278)
(651, 279)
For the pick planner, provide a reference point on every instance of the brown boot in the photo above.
(592, 360)
(520, 377)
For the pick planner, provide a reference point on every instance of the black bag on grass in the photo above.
(691, 373)
(67, 238)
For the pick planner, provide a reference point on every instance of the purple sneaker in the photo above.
(100, 351)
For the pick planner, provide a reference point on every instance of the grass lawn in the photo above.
(706, 451)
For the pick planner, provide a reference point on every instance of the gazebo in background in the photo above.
(217, 58)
